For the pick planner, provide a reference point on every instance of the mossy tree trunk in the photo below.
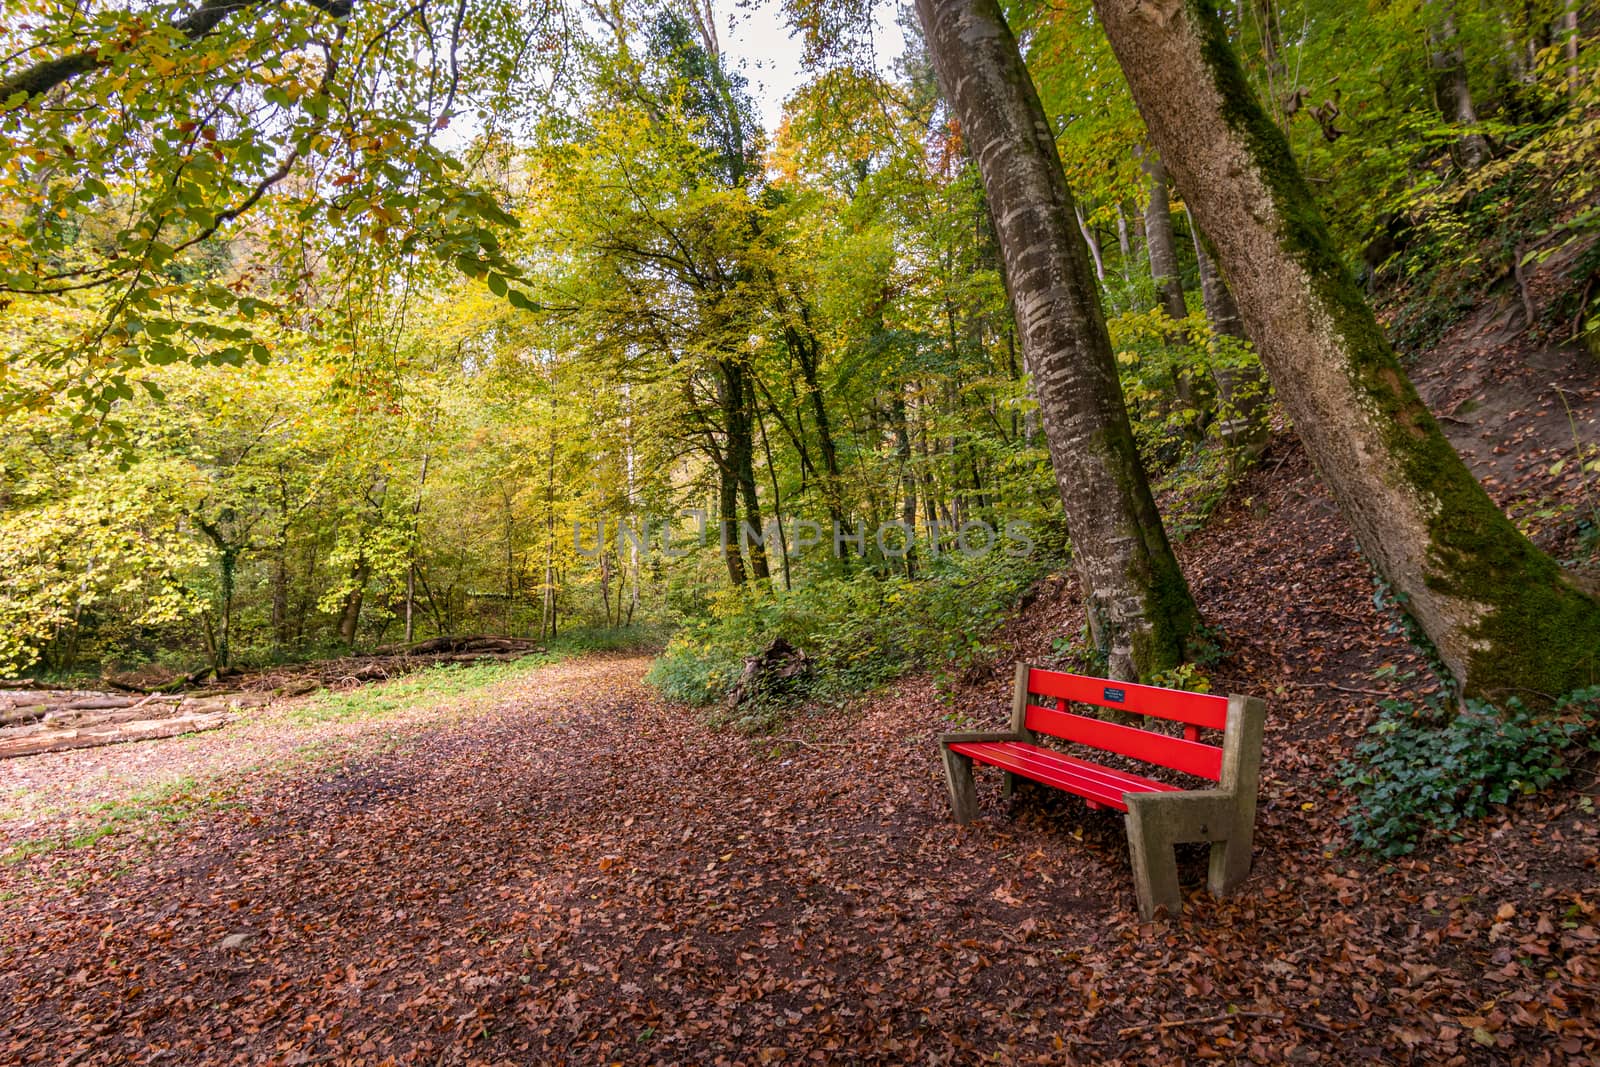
(1502, 615)
(1139, 607)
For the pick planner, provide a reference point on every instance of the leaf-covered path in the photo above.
(558, 869)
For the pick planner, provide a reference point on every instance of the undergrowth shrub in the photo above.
(1469, 234)
(1153, 353)
(1428, 768)
(862, 630)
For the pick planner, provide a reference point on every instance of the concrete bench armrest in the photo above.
(973, 737)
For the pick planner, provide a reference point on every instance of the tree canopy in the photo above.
(326, 323)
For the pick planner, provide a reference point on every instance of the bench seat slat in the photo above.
(1104, 785)
(1177, 705)
(1191, 757)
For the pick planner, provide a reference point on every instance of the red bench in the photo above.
(1159, 813)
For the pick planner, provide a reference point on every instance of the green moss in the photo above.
(1539, 633)
(1168, 603)
(1176, 618)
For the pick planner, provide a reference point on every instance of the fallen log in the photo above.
(16, 716)
(76, 706)
(110, 734)
(461, 643)
(284, 680)
(33, 685)
(149, 679)
(73, 719)
(480, 657)
(98, 703)
(64, 718)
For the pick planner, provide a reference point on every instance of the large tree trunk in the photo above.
(731, 401)
(1241, 392)
(1455, 94)
(1138, 605)
(740, 452)
(1569, 27)
(227, 564)
(1163, 240)
(1502, 615)
(728, 523)
(350, 615)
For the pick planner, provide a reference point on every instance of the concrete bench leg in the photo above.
(1241, 776)
(1158, 821)
(963, 793)
(1230, 861)
(1155, 863)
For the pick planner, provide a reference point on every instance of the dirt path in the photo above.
(557, 869)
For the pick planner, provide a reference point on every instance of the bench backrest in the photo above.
(1196, 711)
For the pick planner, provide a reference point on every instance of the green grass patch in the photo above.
(149, 811)
(434, 686)
(422, 690)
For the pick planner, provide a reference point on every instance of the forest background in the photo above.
(354, 325)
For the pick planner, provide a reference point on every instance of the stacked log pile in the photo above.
(153, 704)
(33, 721)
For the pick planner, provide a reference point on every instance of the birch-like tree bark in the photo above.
(1569, 27)
(1138, 604)
(1241, 391)
(1449, 61)
(1163, 242)
(1093, 244)
(1502, 615)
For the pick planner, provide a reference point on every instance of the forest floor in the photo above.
(545, 864)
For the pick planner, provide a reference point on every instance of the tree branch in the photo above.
(202, 22)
